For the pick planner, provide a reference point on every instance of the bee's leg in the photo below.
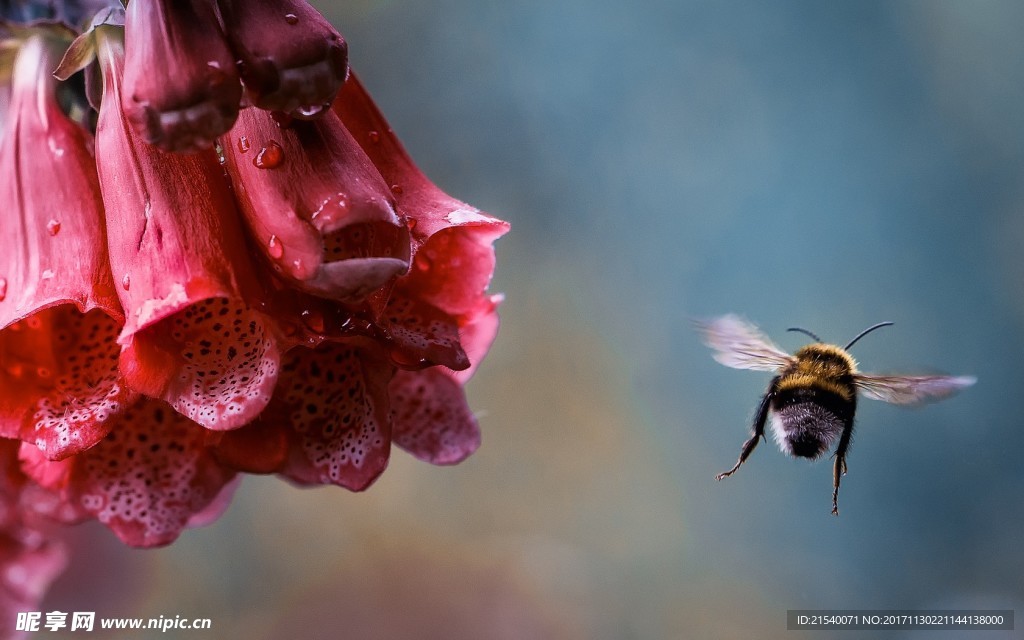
(839, 468)
(759, 421)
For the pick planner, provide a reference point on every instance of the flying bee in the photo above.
(813, 396)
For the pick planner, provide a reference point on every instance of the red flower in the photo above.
(59, 382)
(168, 323)
(291, 59)
(197, 99)
(152, 476)
(320, 212)
(190, 335)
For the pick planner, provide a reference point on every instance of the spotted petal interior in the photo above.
(225, 358)
(149, 476)
(335, 399)
(61, 367)
(422, 335)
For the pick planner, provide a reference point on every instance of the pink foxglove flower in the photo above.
(59, 314)
(168, 324)
(451, 271)
(197, 99)
(191, 336)
(319, 210)
(291, 59)
(288, 56)
(147, 480)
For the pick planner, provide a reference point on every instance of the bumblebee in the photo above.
(813, 396)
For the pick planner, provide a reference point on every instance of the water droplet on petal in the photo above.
(48, 274)
(243, 144)
(410, 223)
(396, 189)
(43, 372)
(55, 147)
(53, 227)
(275, 248)
(291, 18)
(126, 282)
(3, 289)
(374, 137)
(269, 156)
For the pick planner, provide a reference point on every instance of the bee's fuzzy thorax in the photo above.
(823, 366)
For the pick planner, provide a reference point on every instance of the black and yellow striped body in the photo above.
(813, 401)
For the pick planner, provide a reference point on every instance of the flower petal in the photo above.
(335, 401)
(59, 384)
(292, 59)
(417, 196)
(197, 100)
(60, 379)
(421, 334)
(320, 212)
(431, 418)
(145, 480)
(454, 252)
(190, 336)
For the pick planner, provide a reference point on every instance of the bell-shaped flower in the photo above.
(148, 480)
(197, 98)
(453, 241)
(291, 59)
(441, 312)
(330, 416)
(59, 313)
(193, 333)
(318, 209)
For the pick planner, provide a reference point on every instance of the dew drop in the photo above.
(53, 227)
(269, 156)
(126, 282)
(43, 372)
(396, 189)
(275, 248)
(48, 274)
(374, 136)
(3, 289)
(291, 18)
(243, 144)
(410, 223)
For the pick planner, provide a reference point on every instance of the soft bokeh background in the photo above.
(828, 165)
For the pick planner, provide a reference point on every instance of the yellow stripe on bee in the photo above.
(808, 381)
(820, 366)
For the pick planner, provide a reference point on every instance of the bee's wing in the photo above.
(741, 345)
(909, 389)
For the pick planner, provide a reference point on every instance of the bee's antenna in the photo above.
(866, 332)
(806, 332)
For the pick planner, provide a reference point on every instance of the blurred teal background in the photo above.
(826, 165)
